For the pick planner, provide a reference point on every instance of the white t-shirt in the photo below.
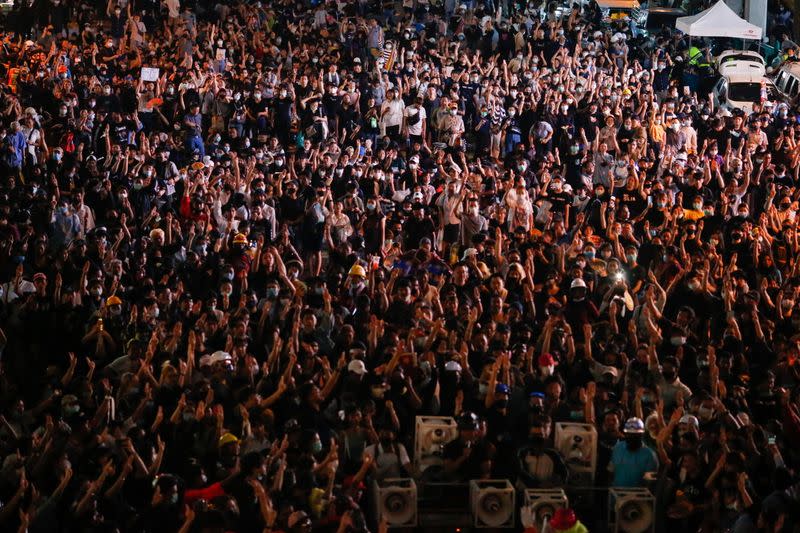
(394, 112)
(174, 7)
(415, 129)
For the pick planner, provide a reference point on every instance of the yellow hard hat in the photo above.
(113, 300)
(240, 238)
(357, 270)
(227, 438)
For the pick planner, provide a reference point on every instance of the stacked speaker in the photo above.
(631, 510)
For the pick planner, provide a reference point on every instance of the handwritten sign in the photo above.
(150, 74)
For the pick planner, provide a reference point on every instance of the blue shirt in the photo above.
(630, 466)
(15, 150)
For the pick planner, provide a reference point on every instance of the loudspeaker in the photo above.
(577, 444)
(396, 500)
(431, 435)
(631, 510)
(540, 505)
(492, 502)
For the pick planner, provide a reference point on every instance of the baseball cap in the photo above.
(691, 420)
(469, 252)
(577, 283)
(220, 356)
(452, 366)
(357, 367)
(633, 425)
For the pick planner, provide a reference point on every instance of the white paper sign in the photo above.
(150, 74)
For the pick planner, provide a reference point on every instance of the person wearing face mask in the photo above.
(690, 494)
(630, 458)
(472, 221)
(14, 147)
(113, 311)
(467, 456)
(164, 513)
(389, 457)
(539, 465)
(667, 378)
(557, 196)
(282, 114)
(580, 309)
(332, 102)
(193, 125)
(512, 131)
(415, 122)
(65, 225)
(392, 114)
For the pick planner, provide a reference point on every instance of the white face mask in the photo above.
(548, 370)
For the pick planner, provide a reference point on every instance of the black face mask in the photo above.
(386, 442)
(634, 442)
(500, 404)
(669, 376)
(536, 440)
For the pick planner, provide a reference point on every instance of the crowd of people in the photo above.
(243, 245)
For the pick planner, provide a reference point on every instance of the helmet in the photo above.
(633, 426)
(219, 357)
(563, 519)
(240, 238)
(227, 438)
(357, 270)
(468, 421)
(577, 283)
(113, 300)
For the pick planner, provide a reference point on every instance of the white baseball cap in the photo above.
(357, 366)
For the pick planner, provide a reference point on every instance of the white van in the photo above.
(741, 90)
(787, 80)
(740, 61)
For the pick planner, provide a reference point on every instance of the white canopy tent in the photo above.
(718, 20)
